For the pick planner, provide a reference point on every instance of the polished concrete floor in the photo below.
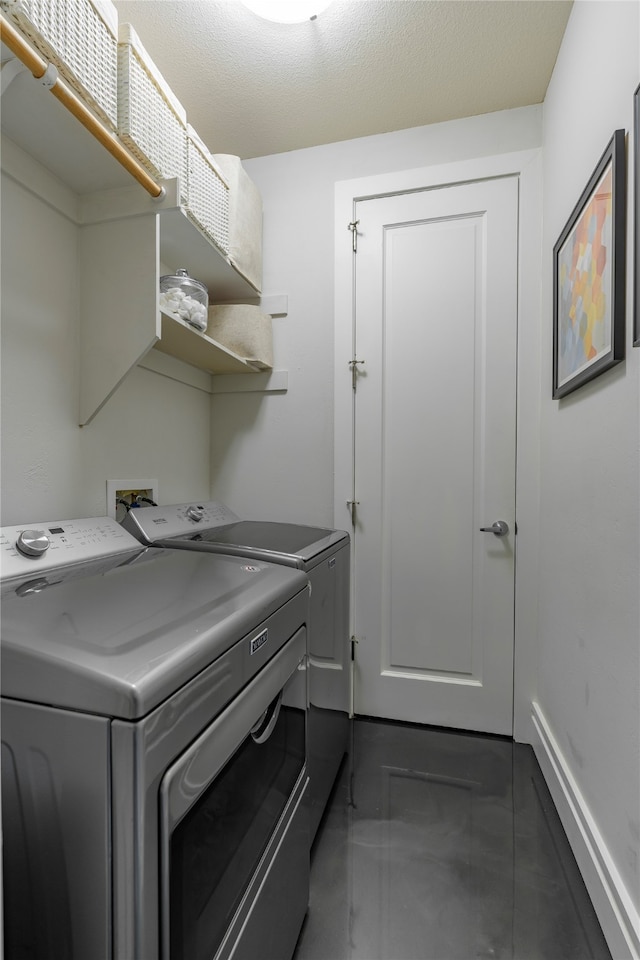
(439, 845)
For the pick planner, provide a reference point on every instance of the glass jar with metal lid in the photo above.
(185, 297)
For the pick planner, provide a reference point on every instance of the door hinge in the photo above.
(353, 226)
(353, 504)
(354, 642)
(354, 371)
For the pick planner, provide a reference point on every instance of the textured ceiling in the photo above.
(254, 88)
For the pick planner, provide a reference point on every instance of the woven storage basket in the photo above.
(245, 219)
(80, 37)
(244, 329)
(151, 121)
(207, 192)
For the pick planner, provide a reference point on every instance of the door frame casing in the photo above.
(527, 166)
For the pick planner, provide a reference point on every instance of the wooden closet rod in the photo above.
(38, 67)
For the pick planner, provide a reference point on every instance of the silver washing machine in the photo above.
(210, 527)
(154, 780)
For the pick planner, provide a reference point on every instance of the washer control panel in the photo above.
(149, 524)
(36, 547)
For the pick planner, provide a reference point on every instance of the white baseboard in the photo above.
(618, 916)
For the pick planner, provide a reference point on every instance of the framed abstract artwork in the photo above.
(636, 224)
(589, 277)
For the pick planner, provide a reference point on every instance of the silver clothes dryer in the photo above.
(324, 555)
(154, 781)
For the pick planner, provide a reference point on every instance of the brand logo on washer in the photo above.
(250, 569)
(259, 641)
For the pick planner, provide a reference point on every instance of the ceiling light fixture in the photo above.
(287, 11)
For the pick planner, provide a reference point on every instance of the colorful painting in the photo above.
(584, 286)
(589, 278)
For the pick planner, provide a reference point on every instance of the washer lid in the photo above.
(123, 638)
(212, 523)
(298, 543)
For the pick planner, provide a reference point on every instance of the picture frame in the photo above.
(636, 223)
(589, 277)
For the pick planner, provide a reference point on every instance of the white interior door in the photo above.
(435, 423)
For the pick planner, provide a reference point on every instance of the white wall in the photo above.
(152, 427)
(273, 455)
(589, 627)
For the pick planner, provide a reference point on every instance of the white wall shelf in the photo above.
(126, 239)
(181, 243)
(180, 340)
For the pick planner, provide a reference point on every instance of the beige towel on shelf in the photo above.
(243, 328)
(245, 219)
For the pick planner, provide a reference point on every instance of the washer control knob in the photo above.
(33, 543)
(195, 513)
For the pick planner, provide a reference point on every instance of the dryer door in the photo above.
(226, 807)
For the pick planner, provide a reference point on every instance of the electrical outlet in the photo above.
(130, 491)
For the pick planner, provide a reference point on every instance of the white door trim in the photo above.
(527, 166)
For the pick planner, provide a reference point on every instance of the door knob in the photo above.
(499, 529)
